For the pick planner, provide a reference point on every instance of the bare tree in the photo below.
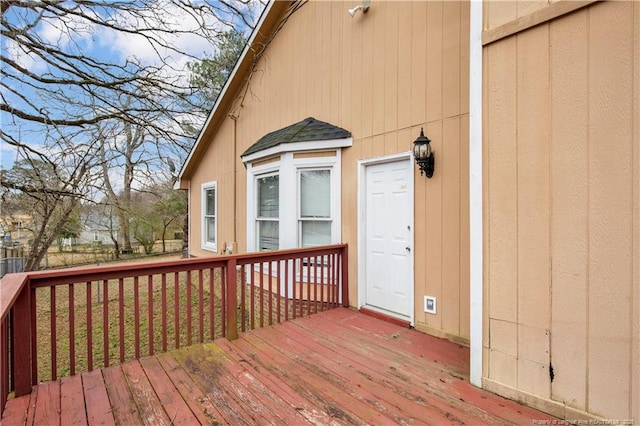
(72, 114)
(44, 56)
(50, 193)
(170, 208)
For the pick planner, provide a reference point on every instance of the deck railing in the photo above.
(63, 322)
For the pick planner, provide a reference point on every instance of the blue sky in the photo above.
(91, 40)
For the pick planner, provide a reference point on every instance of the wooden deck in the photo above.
(336, 367)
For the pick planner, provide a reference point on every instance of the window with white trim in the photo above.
(209, 218)
(268, 212)
(314, 207)
(294, 202)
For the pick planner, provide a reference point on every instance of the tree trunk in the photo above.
(185, 233)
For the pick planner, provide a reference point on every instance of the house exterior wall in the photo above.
(217, 165)
(382, 76)
(562, 216)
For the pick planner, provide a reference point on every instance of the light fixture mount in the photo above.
(364, 7)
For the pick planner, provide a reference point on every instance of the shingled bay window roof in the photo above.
(306, 130)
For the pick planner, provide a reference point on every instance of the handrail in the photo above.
(169, 303)
(10, 289)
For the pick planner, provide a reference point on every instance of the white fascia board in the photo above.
(223, 92)
(299, 146)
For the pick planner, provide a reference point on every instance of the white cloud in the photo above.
(24, 59)
(187, 36)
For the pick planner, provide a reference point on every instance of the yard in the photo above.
(84, 254)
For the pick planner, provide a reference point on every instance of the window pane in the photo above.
(268, 235)
(210, 223)
(316, 233)
(268, 196)
(210, 208)
(315, 193)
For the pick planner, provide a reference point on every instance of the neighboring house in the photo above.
(528, 233)
(98, 226)
(15, 227)
(95, 236)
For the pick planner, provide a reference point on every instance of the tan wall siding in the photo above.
(381, 75)
(216, 165)
(561, 234)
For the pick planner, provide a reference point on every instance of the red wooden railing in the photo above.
(63, 322)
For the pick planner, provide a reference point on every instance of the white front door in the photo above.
(388, 243)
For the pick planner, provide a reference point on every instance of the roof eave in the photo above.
(299, 146)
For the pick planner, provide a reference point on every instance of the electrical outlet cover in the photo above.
(430, 304)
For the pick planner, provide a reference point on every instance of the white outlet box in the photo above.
(430, 305)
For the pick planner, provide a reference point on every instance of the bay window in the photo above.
(293, 186)
(294, 201)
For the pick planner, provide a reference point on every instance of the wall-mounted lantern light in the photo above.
(423, 154)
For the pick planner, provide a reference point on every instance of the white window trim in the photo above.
(287, 167)
(203, 228)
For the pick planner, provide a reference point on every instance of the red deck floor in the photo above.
(337, 367)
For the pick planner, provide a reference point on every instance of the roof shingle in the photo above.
(306, 130)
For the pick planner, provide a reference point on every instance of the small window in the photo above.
(314, 207)
(209, 222)
(268, 212)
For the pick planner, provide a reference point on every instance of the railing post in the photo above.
(232, 299)
(21, 344)
(345, 276)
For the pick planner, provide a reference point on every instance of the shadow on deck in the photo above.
(336, 367)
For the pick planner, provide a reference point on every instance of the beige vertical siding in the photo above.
(562, 235)
(381, 75)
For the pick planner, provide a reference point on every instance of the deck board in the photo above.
(397, 398)
(355, 378)
(270, 401)
(174, 405)
(216, 383)
(359, 402)
(48, 410)
(336, 367)
(278, 386)
(198, 402)
(17, 410)
(125, 410)
(272, 360)
(432, 406)
(72, 410)
(423, 383)
(97, 405)
(151, 410)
